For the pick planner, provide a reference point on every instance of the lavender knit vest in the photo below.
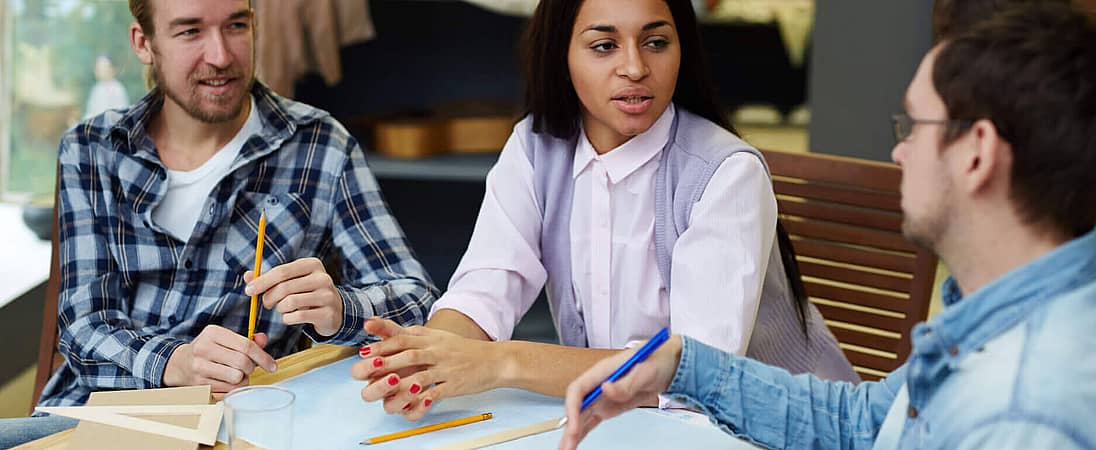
(694, 151)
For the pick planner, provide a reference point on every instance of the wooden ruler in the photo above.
(504, 436)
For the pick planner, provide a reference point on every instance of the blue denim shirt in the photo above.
(1010, 366)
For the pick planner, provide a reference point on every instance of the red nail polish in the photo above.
(415, 388)
(377, 362)
(364, 351)
(392, 380)
(427, 402)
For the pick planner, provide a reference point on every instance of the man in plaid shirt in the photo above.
(159, 211)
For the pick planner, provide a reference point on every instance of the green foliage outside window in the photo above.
(55, 48)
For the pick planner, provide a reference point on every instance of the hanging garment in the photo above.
(298, 37)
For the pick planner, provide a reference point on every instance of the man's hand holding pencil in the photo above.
(218, 357)
(302, 292)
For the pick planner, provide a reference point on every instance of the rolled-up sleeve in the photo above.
(501, 273)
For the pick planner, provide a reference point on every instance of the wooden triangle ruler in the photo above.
(209, 419)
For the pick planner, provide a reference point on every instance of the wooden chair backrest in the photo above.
(49, 358)
(845, 220)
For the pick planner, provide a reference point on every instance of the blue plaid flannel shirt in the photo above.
(131, 293)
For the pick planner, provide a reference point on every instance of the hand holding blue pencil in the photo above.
(656, 341)
(637, 358)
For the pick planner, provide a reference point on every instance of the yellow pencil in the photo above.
(428, 428)
(254, 314)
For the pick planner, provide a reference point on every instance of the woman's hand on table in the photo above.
(410, 368)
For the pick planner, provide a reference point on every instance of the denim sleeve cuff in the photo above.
(352, 331)
(698, 380)
(736, 393)
(693, 378)
(151, 361)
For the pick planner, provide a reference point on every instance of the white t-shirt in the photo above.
(187, 191)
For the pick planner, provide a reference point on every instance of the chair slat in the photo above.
(866, 340)
(857, 277)
(861, 318)
(853, 197)
(871, 361)
(832, 251)
(868, 299)
(870, 218)
(850, 235)
(835, 169)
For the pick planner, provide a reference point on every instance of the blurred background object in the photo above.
(306, 38)
(52, 75)
(107, 93)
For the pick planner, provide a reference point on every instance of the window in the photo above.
(64, 61)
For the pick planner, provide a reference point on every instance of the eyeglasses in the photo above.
(903, 125)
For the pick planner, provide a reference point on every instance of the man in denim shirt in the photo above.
(997, 151)
(159, 211)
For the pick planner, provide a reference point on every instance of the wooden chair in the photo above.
(845, 221)
(49, 358)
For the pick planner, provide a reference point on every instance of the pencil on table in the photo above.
(428, 428)
(253, 315)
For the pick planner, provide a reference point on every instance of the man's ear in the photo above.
(141, 43)
(988, 158)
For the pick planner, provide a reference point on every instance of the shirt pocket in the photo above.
(287, 221)
(141, 254)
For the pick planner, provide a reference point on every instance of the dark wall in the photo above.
(425, 53)
(864, 54)
(432, 52)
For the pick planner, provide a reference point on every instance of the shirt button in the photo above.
(272, 200)
(954, 350)
(212, 208)
(912, 412)
(188, 264)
